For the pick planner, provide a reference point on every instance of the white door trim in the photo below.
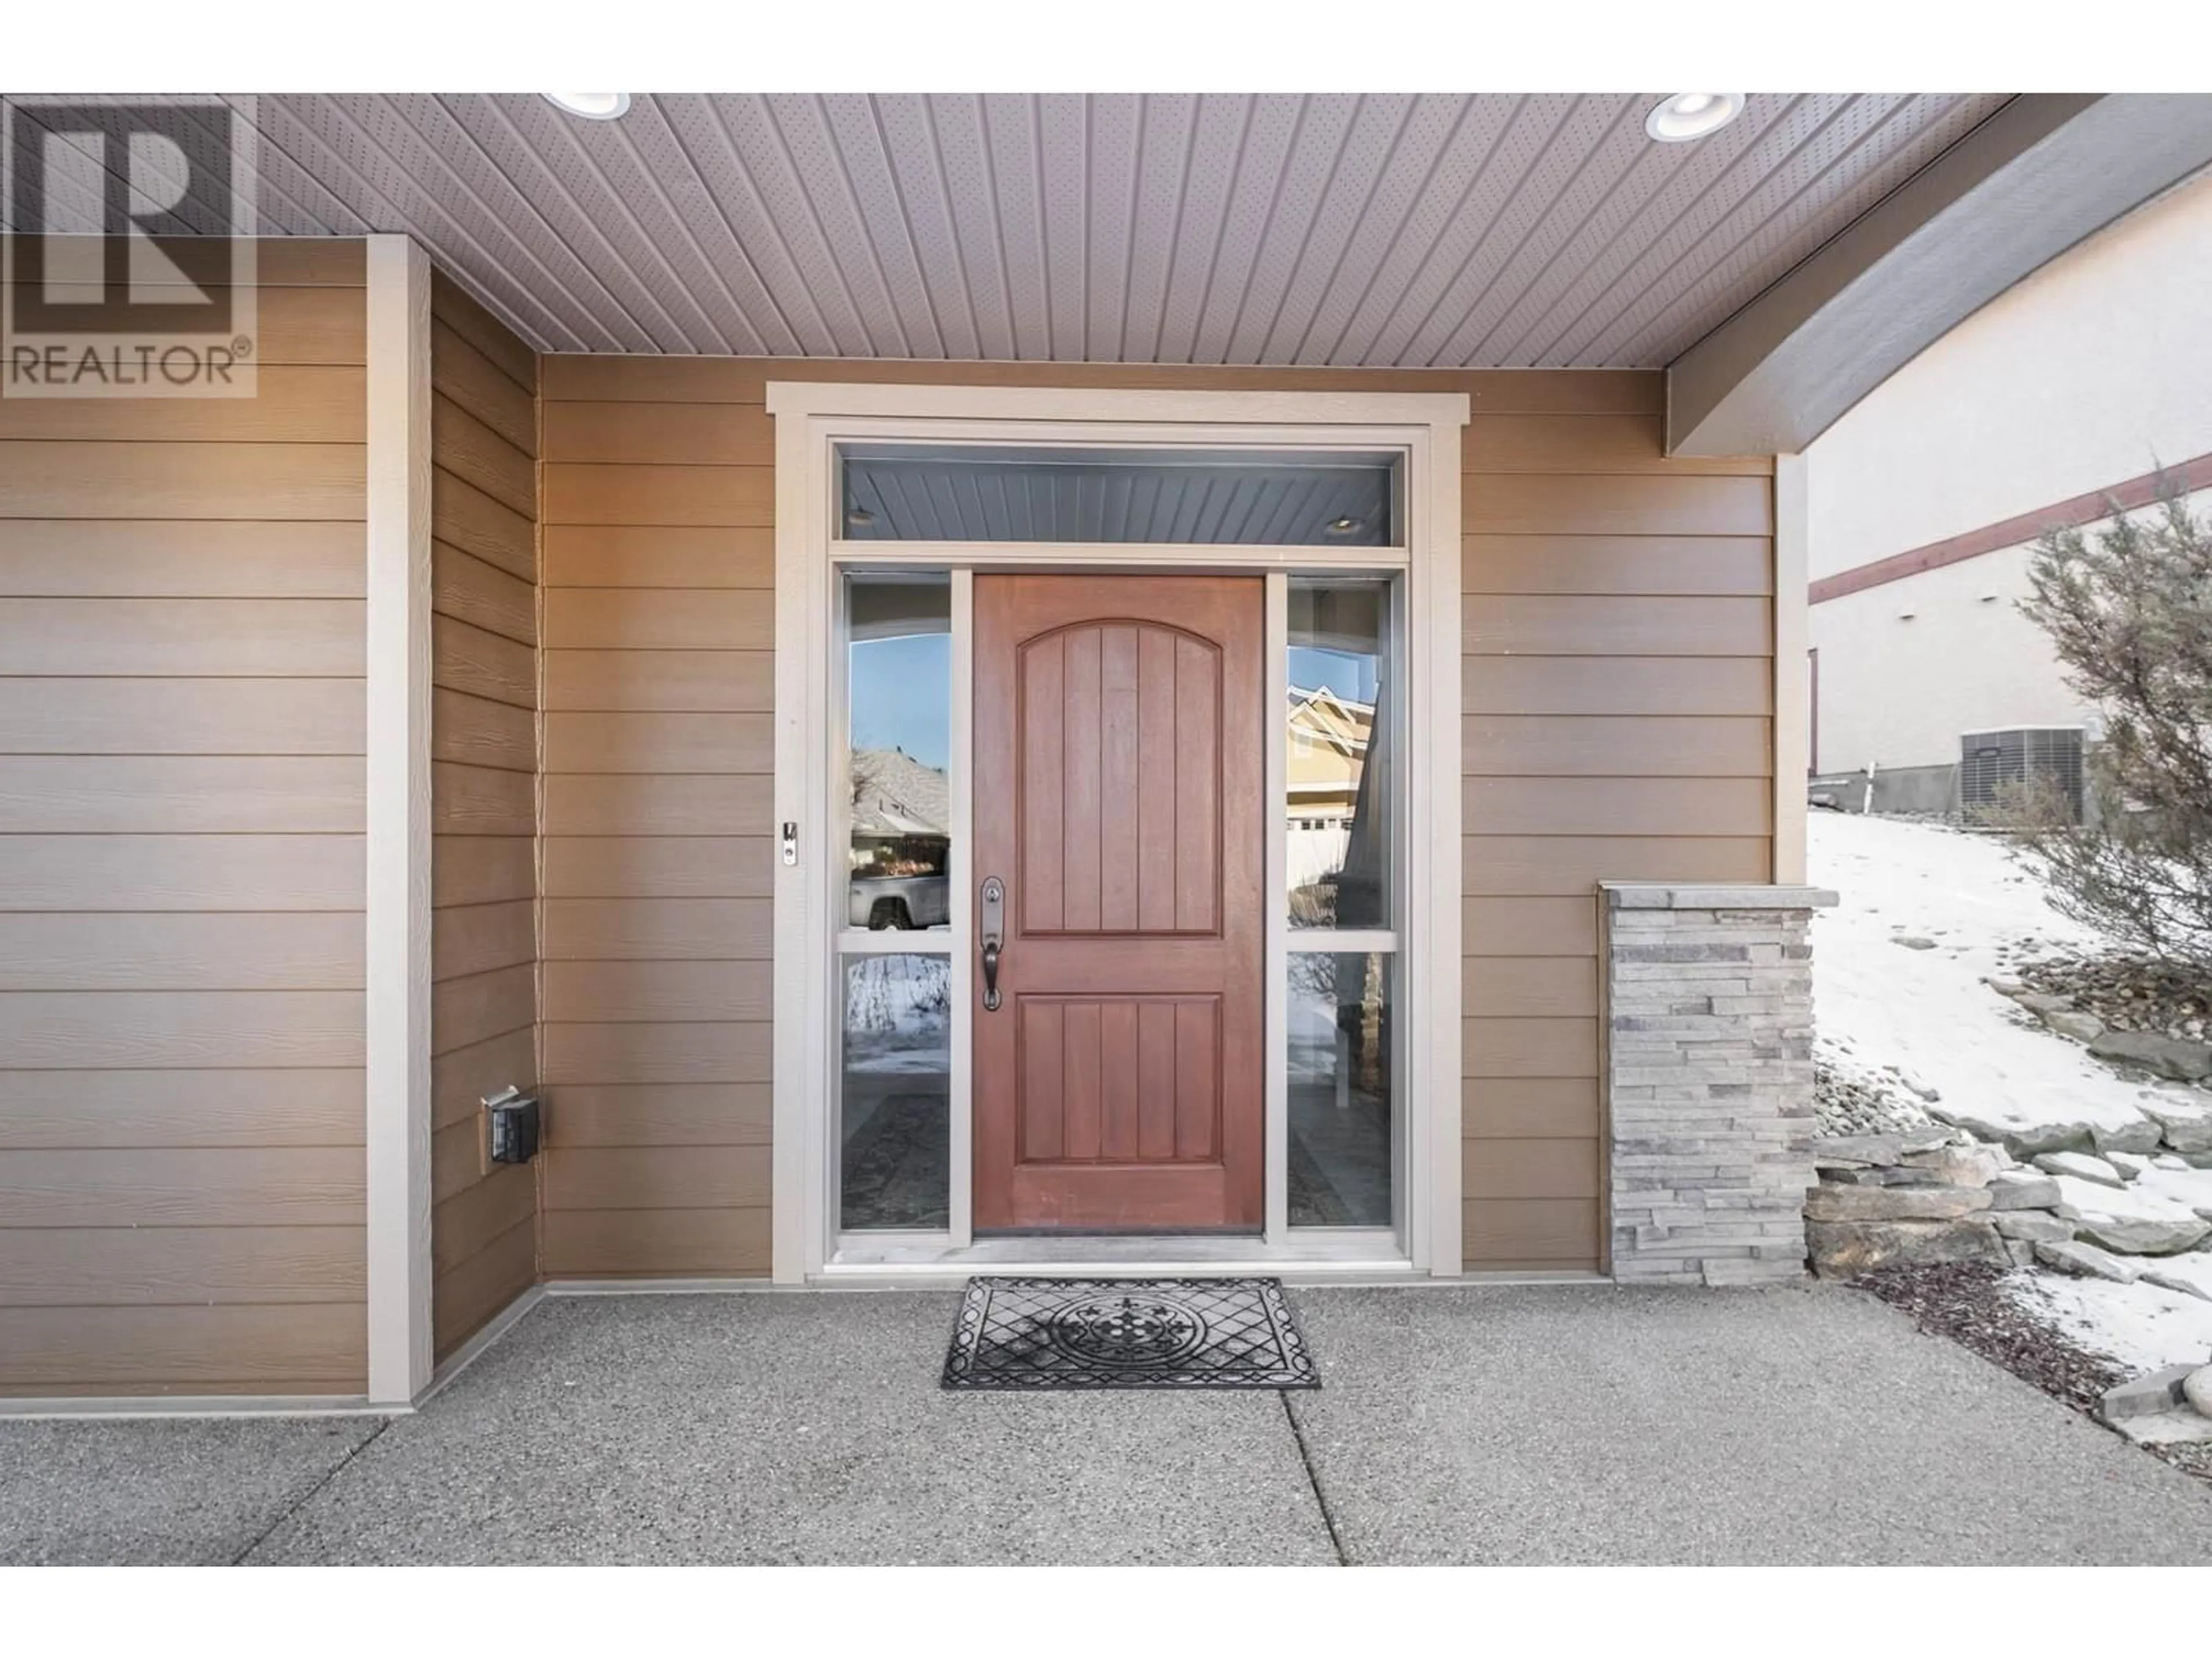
(812, 417)
(1793, 673)
(397, 1004)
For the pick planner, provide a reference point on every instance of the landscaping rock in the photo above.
(2174, 1057)
(2004, 987)
(2140, 1234)
(2136, 1223)
(1897, 1174)
(2044, 1002)
(1894, 1203)
(2017, 1190)
(1929, 1136)
(1913, 941)
(2140, 1135)
(2186, 1126)
(1903, 1175)
(2129, 992)
(1855, 1151)
(2145, 1396)
(2021, 1140)
(2190, 1274)
(1861, 1177)
(1848, 1104)
(2081, 1166)
(1959, 1166)
(2170, 1161)
(1844, 1250)
(2073, 1023)
(2181, 1428)
(2197, 1390)
(2034, 1226)
(2085, 1261)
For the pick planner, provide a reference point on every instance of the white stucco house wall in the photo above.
(2078, 384)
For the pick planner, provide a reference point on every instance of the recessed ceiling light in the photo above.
(1344, 527)
(1689, 115)
(591, 106)
(859, 518)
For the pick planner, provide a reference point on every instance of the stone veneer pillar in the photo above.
(1709, 1080)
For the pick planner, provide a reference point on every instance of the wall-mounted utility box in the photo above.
(512, 1123)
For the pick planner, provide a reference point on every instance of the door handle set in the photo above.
(993, 930)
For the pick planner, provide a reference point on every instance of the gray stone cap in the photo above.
(1708, 896)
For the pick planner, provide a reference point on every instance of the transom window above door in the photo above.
(1246, 498)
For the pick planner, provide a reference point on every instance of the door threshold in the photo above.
(1332, 1251)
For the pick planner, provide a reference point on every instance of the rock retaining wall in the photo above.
(1914, 1198)
(1709, 1080)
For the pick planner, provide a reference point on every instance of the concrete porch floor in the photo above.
(1473, 1425)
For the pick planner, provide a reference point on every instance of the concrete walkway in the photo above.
(1566, 1424)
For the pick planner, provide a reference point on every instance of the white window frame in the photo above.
(812, 418)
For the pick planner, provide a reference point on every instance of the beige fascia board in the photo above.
(2036, 178)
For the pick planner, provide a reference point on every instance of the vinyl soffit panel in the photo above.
(1444, 231)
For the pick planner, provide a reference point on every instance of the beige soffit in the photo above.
(2043, 173)
(1447, 230)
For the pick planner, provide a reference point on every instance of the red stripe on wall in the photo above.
(2067, 515)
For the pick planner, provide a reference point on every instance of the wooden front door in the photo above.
(1119, 721)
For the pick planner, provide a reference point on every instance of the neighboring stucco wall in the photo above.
(181, 871)
(2090, 372)
(1896, 692)
(484, 803)
(1618, 723)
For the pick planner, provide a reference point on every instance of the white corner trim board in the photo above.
(398, 1005)
(1793, 674)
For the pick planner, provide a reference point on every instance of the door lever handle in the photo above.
(992, 929)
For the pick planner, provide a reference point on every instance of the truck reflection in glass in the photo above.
(901, 812)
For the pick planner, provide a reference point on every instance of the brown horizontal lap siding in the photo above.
(181, 821)
(660, 614)
(484, 749)
(1617, 697)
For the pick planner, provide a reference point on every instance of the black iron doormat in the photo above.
(1127, 1334)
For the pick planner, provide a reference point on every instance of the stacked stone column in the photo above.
(1709, 1080)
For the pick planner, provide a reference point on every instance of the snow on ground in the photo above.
(2144, 1327)
(1877, 1003)
(2191, 1188)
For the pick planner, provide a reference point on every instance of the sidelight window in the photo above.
(894, 1151)
(895, 976)
(1343, 703)
(898, 754)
